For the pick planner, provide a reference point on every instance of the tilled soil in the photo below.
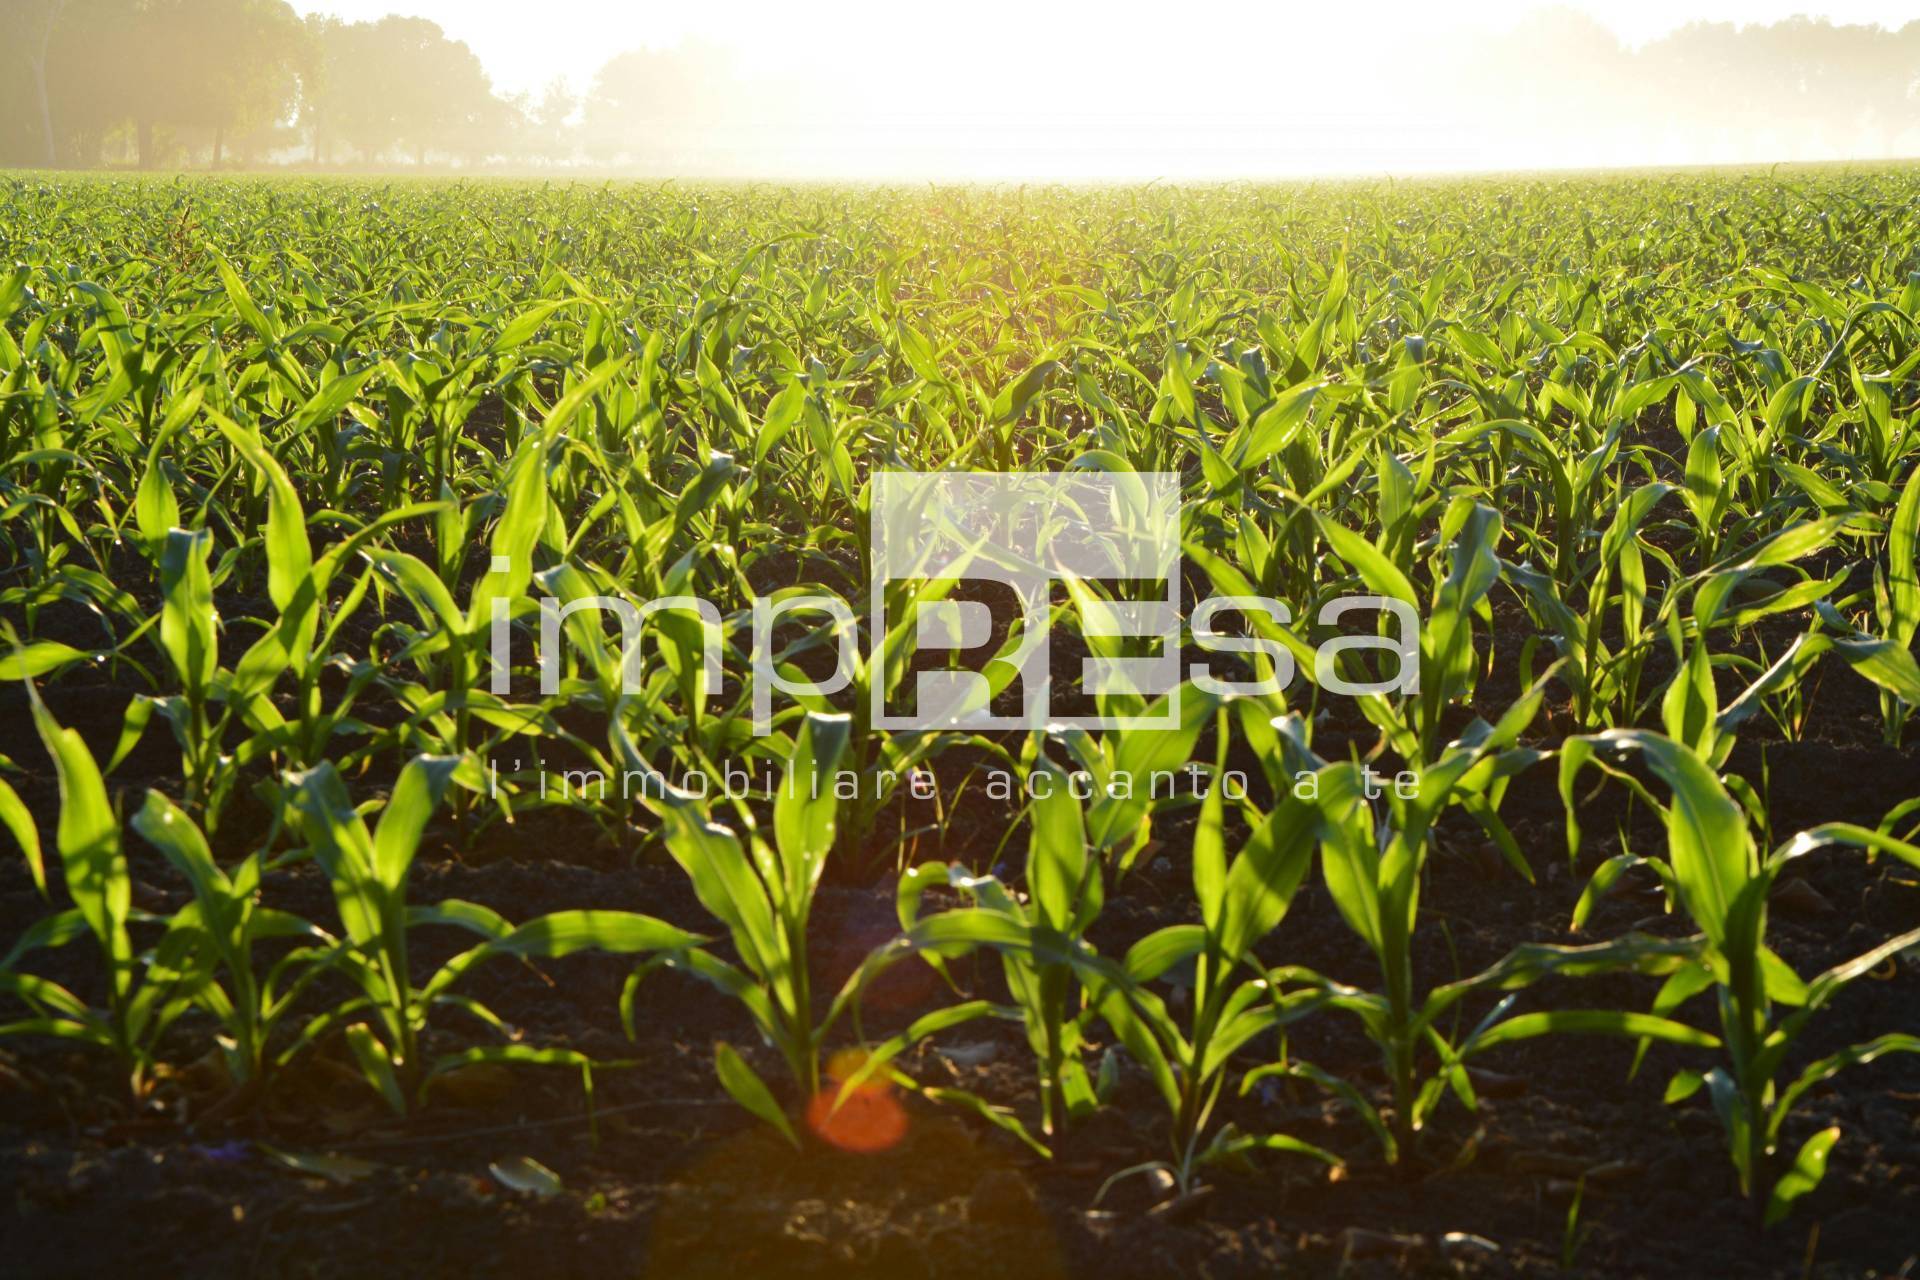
(667, 1177)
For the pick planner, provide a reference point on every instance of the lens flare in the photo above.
(864, 1119)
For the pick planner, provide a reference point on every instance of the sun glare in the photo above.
(1051, 91)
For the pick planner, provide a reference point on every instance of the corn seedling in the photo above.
(368, 872)
(1373, 870)
(763, 893)
(146, 991)
(1723, 881)
(1242, 900)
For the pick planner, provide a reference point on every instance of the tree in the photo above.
(48, 15)
(252, 82)
(550, 119)
(91, 76)
(400, 83)
(211, 67)
(660, 109)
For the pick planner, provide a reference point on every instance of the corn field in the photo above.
(1588, 946)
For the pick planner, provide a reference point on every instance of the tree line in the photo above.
(242, 82)
(192, 83)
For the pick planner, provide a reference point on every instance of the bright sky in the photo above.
(526, 45)
(1054, 88)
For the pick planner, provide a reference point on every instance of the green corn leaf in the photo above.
(574, 399)
(1057, 850)
(1847, 833)
(37, 658)
(243, 301)
(1809, 1167)
(74, 1019)
(1340, 1088)
(1690, 706)
(782, 412)
(1210, 854)
(470, 916)
(187, 619)
(562, 933)
(805, 809)
(1162, 949)
(289, 553)
(1683, 1086)
(1819, 1072)
(521, 524)
(519, 331)
(1349, 859)
(416, 794)
(1264, 877)
(88, 838)
(1887, 663)
(1786, 670)
(19, 823)
(1903, 564)
(1705, 489)
(1823, 492)
(1605, 876)
(1013, 400)
(377, 1066)
(161, 823)
(1607, 1022)
(330, 401)
(1277, 425)
(13, 287)
(154, 507)
(1378, 572)
(1125, 1011)
(1000, 1117)
(422, 588)
(1708, 842)
(1227, 1144)
(133, 726)
(726, 884)
(1792, 543)
(344, 849)
(747, 1089)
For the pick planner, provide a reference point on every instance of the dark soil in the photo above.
(667, 1177)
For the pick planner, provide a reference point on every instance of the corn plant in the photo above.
(189, 634)
(368, 872)
(1887, 658)
(1412, 725)
(1241, 901)
(451, 640)
(881, 760)
(1605, 678)
(763, 893)
(1065, 888)
(1373, 871)
(226, 922)
(1121, 764)
(299, 642)
(1723, 881)
(146, 991)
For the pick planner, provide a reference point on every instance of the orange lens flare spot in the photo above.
(866, 1119)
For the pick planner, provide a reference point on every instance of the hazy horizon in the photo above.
(523, 58)
(1026, 89)
(1007, 90)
